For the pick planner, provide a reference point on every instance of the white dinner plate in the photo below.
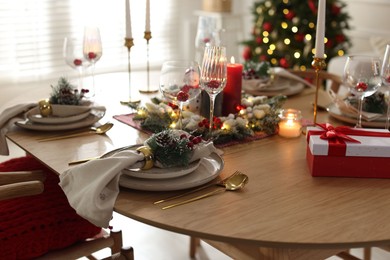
(35, 116)
(279, 87)
(162, 173)
(209, 168)
(94, 116)
(335, 112)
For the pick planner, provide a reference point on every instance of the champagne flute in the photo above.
(362, 76)
(92, 49)
(213, 75)
(73, 55)
(179, 83)
(385, 74)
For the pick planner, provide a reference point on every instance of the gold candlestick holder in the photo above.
(128, 44)
(147, 37)
(318, 64)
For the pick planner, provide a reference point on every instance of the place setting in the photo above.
(260, 79)
(367, 104)
(171, 160)
(65, 109)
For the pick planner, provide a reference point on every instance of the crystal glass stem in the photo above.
(180, 115)
(360, 109)
(212, 102)
(387, 126)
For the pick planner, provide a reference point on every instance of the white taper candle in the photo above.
(320, 33)
(129, 34)
(147, 17)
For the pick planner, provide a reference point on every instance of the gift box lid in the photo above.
(368, 146)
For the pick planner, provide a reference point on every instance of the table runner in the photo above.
(128, 119)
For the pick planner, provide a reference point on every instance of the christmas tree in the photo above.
(284, 32)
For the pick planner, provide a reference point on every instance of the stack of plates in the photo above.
(63, 118)
(378, 121)
(279, 86)
(176, 178)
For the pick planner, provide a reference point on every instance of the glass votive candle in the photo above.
(290, 124)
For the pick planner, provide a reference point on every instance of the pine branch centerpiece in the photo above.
(256, 116)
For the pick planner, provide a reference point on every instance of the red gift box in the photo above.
(348, 152)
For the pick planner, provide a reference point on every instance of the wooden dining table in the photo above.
(282, 213)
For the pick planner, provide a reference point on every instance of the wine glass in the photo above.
(206, 35)
(179, 83)
(92, 49)
(385, 74)
(362, 76)
(73, 55)
(213, 75)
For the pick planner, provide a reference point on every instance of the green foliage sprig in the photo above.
(64, 93)
(169, 149)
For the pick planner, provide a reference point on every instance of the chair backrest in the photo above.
(17, 184)
(20, 184)
(335, 81)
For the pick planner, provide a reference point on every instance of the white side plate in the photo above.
(209, 168)
(94, 116)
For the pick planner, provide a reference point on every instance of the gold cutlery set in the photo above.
(233, 182)
(93, 130)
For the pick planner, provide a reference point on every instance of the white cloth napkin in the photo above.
(93, 187)
(278, 72)
(7, 119)
(346, 108)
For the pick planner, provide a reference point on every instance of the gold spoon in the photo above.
(236, 182)
(219, 183)
(98, 130)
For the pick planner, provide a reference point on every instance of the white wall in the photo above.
(369, 18)
(241, 10)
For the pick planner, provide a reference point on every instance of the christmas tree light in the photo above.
(284, 32)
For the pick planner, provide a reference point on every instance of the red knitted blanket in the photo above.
(32, 226)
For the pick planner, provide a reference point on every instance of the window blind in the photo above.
(33, 32)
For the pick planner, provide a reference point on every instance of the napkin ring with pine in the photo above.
(169, 148)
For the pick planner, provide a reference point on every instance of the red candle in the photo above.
(232, 91)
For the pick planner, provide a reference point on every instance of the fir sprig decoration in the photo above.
(169, 149)
(64, 93)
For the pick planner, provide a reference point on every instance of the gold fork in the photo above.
(220, 183)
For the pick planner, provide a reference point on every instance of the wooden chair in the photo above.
(25, 185)
(334, 80)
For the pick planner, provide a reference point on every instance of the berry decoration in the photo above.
(77, 62)
(91, 55)
(213, 84)
(182, 96)
(361, 86)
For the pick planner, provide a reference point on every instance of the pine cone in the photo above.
(164, 139)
